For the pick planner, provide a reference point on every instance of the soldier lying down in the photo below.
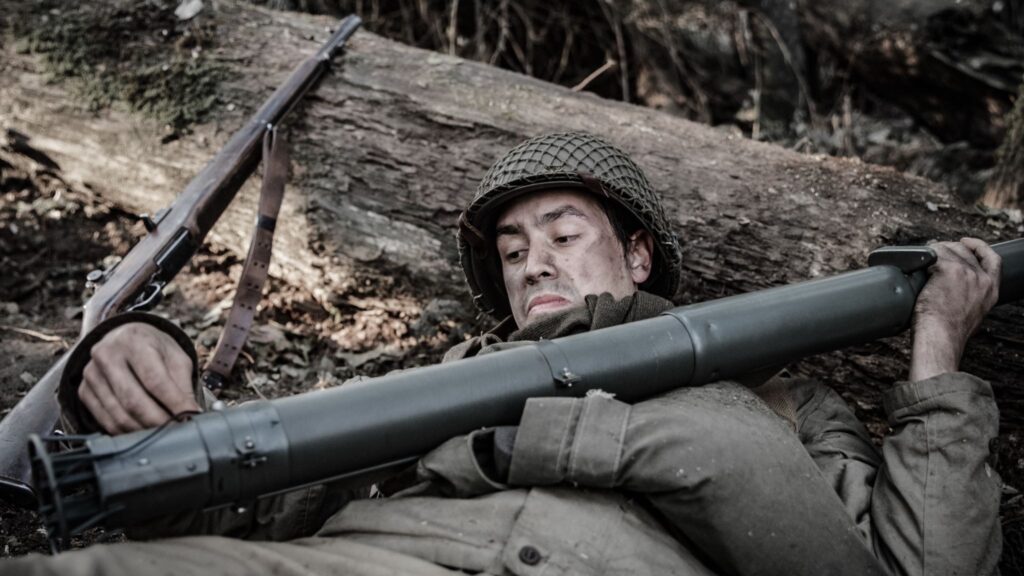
(566, 235)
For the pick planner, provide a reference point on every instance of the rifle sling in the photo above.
(254, 271)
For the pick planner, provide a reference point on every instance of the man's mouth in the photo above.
(545, 303)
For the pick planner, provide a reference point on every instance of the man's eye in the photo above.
(565, 239)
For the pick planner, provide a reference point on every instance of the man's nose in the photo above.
(540, 265)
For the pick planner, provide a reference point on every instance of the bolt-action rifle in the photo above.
(174, 235)
(235, 455)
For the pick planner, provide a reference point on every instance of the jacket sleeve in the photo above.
(935, 506)
(928, 501)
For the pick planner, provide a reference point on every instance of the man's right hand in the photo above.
(963, 286)
(138, 378)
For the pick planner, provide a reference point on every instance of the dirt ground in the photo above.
(53, 233)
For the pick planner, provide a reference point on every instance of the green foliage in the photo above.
(131, 51)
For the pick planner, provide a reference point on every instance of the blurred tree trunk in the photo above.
(1006, 187)
(954, 65)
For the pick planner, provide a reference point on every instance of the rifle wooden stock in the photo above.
(266, 447)
(174, 236)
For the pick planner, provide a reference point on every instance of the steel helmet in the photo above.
(561, 160)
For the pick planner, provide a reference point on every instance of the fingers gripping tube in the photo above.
(216, 459)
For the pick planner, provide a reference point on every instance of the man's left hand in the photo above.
(963, 286)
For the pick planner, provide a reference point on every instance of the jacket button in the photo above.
(529, 555)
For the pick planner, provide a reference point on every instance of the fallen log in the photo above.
(390, 146)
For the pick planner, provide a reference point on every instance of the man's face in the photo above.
(558, 246)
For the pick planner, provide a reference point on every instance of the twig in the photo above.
(478, 34)
(620, 46)
(407, 23)
(1009, 339)
(847, 125)
(249, 377)
(248, 357)
(702, 109)
(453, 27)
(436, 25)
(524, 62)
(525, 65)
(744, 40)
(787, 57)
(563, 61)
(37, 335)
(257, 390)
(502, 32)
(741, 36)
(755, 130)
(604, 68)
(525, 57)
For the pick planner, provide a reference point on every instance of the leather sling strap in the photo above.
(254, 272)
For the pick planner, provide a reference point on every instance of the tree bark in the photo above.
(389, 148)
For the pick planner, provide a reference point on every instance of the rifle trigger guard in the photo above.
(908, 259)
(151, 295)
